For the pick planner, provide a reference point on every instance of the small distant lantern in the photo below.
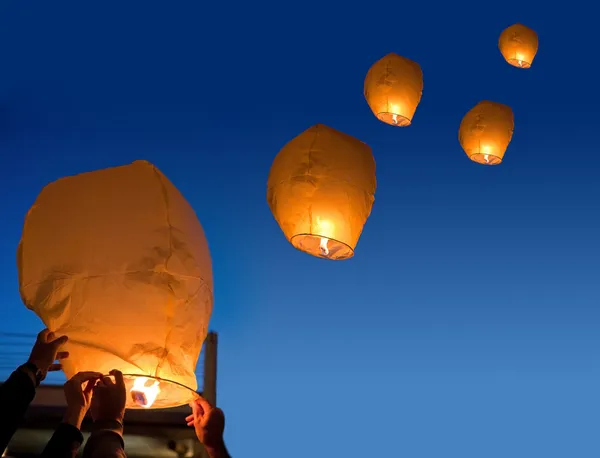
(486, 131)
(321, 190)
(393, 89)
(117, 260)
(519, 45)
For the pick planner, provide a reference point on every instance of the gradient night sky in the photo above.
(466, 325)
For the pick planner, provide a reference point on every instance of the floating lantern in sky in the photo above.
(393, 89)
(486, 131)
(321, 190)
(518, 44)
(117, 260)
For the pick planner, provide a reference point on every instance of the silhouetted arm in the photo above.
(218, 452)
(65, 442)
(15, 396)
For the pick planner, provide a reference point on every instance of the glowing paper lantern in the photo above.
(518, 44)
(393, 89)
(117, 260)
(321, 190)
(486, 131)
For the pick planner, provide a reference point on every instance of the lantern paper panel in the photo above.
(393, 89)
(486, 131)
(321, 190)
(116, 260)
(518, 45)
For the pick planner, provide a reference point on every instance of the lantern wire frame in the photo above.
(312, 243)
(169, 390)
(485, 159)
(519, 63)
(394, 119)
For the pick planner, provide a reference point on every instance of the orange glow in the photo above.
(325, 229)
(520, 58)
(142, 394)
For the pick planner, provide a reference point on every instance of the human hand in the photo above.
(45, 352)
(78, 394)
(108, 401)
(209, 423)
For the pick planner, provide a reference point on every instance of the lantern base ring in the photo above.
(518, 63)
(481, 159)
(322, 247)
(171, 393)
(394, 119)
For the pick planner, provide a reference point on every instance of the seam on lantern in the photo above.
(126, 272)
(170, 313)
(170, 304)
(328, 179)
(166, 198)
(166, 353)
(309, 168)
(308, 173)
(101, 349)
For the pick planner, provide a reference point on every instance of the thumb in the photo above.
(89, 386)
(42, 337)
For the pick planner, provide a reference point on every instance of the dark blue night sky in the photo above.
(466, 325)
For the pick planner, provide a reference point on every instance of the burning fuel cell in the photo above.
(142, 394)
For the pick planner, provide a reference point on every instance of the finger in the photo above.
(197, 410)
(190, 423)
(118, 375)
(85, 376)
(189, 418)
(43, 335)
(55, 367)
(57, 343)
(89, 386)
(62, 355)
(206, 406)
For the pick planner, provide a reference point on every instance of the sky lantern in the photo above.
(518, 44)
(486, 131)
(393, 89)
(321, 190)
(117, 260)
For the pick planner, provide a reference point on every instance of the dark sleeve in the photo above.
(219, 452)
(65, 442)
(15, 396)
(106, 441)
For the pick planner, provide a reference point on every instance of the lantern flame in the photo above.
(323, 246)
(395, 110)
(144, 395)
(486, 154)
(325, 230)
